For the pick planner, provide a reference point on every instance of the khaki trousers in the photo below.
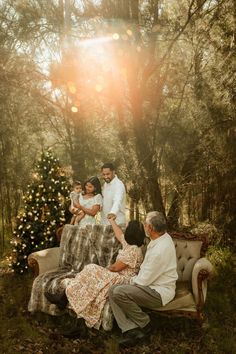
(126, 302)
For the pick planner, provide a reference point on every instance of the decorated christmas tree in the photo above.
(46, 202)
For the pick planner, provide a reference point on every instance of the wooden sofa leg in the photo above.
(202, 320)
(33, 264)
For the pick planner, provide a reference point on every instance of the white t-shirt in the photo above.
(159, 268)
(114, 199)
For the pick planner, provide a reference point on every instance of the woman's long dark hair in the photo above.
(134, 233)
(96, 183)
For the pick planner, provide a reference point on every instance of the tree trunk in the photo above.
(187, 171)
(2, 219)
(137, 212)
(131, 210)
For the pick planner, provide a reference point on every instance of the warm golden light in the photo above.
(71, 87)
(90, 67)
(35, 175)
(120, 52)
(100, 78)
(123, 71)
(77, 104)
(98, 88)
(124, 37)
(91, 42)
(74, 109)
(116, 36)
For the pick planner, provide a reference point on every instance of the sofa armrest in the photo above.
(44, 260)
(202, 270)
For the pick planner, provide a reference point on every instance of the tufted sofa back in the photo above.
(187, 253)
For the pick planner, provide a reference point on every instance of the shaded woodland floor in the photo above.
(22, 332)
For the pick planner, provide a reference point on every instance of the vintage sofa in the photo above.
(194, 270)
(98, 245)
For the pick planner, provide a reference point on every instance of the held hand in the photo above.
(78, 206)
(112, 221)
(111, 217)
(74, 210)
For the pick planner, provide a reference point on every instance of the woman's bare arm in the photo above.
(117, 266)
(117, 230)
(89, 211)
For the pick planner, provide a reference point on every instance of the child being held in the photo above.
(74, 197)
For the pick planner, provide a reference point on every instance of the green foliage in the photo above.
(222, 259)
(205, 227)
(44, 211)
(158, 99)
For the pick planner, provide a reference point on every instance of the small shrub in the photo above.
(221, 258)
(214, 237)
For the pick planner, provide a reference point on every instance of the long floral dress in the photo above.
(87, 293)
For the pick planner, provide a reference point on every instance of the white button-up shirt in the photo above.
(159, 268)
(114, 199)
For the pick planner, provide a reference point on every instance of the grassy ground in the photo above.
(22, 332)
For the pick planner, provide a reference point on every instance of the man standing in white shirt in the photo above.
(153, 287)
(114, 196)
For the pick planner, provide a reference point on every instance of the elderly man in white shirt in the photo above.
(114, 196)
(153, 287)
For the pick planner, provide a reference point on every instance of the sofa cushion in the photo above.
(187, 253)
(183, 299)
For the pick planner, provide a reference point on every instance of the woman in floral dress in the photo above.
(87, 293)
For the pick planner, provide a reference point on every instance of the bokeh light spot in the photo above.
(116, 36)
(71, 87)
(74, 109)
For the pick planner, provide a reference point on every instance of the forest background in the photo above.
(148, 84)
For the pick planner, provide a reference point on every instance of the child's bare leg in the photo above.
(79, 217)
(72, 222)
